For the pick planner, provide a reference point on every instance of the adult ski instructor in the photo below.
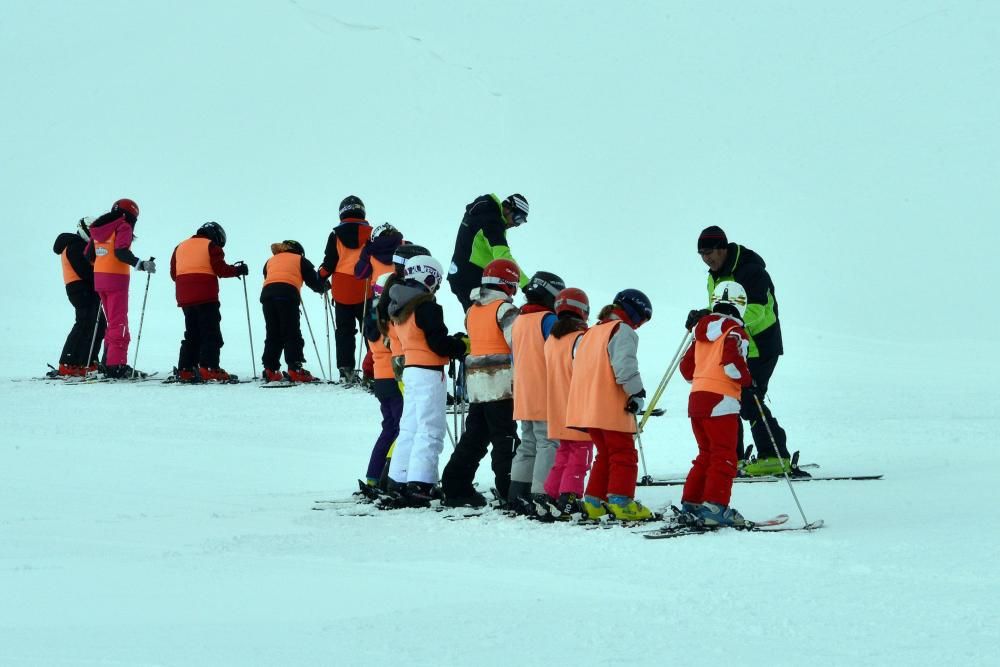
(731, 261)
(482, 238)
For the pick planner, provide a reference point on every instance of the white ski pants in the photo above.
(421, 428)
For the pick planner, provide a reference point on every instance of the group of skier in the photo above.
(574, 387)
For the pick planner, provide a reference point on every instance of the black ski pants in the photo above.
(347, 317)
(77, 350)
(487, 424)
(462, 289)
(202, 336)
(761, 370)
(282, 333)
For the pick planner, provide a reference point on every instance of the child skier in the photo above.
(284, 274)
(715, 365)
(79, 353)
(109, 249)
(374, 261)
(383, 344)
(564, 485)
(195, 267)
(427, 347)
(349, 294)
(605, 394)
(536, 453)
(489, 384)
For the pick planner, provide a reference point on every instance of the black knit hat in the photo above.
(711, 238)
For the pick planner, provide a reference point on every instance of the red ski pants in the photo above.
(616, 465)
(570, 468)
(712, 472)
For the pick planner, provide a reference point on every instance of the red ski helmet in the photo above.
(502, 274)
(574, 301)
(127, 207)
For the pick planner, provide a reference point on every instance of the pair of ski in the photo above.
(775, 524)
(358, 507)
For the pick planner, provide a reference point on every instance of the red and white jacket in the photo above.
(715, 364)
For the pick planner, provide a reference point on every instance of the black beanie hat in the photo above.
(711, 238)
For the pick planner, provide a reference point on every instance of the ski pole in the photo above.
(774, 444)
(326, 313)
(319, 359)
(645, 479)
(364, 314)
(454, 395)
(93, 336)
(674, 363)
(465, 393)
(246, 302)
(142, 316)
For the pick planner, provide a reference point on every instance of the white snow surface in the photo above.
(853, 145)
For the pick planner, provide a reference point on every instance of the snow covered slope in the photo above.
(853, 146)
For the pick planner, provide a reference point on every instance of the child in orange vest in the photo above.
(536, 453)
(715, 365)
(78, 355)
(490, 388)
(195, 267)
(564, 485)
(427, 348)
(605, 394)
(110, 249)
(349, 294)
(383, 344)
(284, 275)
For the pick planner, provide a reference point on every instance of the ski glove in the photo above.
(242, 269)
(462, 336)
(694, 316)
(635, 402)
(149, 266)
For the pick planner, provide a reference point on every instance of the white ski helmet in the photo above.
(425, 270)
(732, 293)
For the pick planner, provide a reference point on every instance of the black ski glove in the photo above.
(241, 269)
(694, 316)
(635, 402)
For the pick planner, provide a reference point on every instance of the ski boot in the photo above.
(348, 377)
(470, 499)
(769, 466)
(67, 371)
(123, 372)
(274, 375)
(185, 375)
(689, 514)
(301, 375)
(713, 514)
(215, 375)
(593, 509)
(565, 507)
(420, 494)
(623, 508)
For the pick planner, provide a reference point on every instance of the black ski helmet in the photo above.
(636, 305)
(405, 252)
(352, 207)
(542, 288)
(214, 232)
(294, 246)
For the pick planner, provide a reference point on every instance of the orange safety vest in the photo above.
(192, 256)
(558, 373)
(709, 375)
(69, 273)
(382, 359)
(485, 334)
(529, 367)
(106, 261)
(415, 347)
(345, 287)
(595, 399)
(285, 267)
